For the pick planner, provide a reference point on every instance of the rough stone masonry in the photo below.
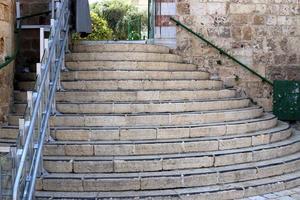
(265, 34)
(7, 18)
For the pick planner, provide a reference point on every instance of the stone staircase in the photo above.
(136, 122)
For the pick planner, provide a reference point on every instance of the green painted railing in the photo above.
(223, 52)
(9, 59)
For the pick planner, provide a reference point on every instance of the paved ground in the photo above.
(292, 194)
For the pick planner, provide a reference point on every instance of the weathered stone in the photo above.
(258, 20)
(93, 166)
(247, 33)
(111, 184)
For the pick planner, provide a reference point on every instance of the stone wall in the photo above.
(265, 34)
(7, 17)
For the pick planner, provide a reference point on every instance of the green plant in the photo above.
(100, 29)
(118, 14)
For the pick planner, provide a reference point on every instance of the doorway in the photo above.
(160, 29)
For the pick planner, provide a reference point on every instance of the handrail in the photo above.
(9, 59)
(223, 52)
(41, 105)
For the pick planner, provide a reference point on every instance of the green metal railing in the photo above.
(223, 52)
(9, 59)
(134, 29)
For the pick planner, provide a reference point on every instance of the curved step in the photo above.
(137, 95)
(163, 132)
(225, 191)
(267, 121)
(142, 84)
(171, 179)
(132, 85)
(135, 75)
(124, 56)
(144, 107)
(157, 118)
(91, 46)
(210, 147)
(98, 164)
(153, 107)
(128, 65)
(185, 118)
(122, 75)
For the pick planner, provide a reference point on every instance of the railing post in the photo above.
(52, 64)
(18, 12)
(42, 106)
(42, 44)
(13, 156)
(47, 86)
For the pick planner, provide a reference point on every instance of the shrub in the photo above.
(100, 29)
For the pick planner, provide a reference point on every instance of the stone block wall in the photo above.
(7, 16)
(264, 34)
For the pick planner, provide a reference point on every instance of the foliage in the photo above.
(118, 14)
(100, 29)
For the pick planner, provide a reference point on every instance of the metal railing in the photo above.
(134, 28)
(6, 172)
(223, 52)
(34, 127)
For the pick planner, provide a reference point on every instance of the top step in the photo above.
(98, 47)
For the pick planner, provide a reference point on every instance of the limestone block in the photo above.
(58, 166)
(137, 166)
(236, 176)
(200, 180)
(114, 149)
(65, 184)
(111, 184)
(236, 8)
(216, 8)
(186, 163)
(234, 143)
(227, 159)
(161, 182)
(79, 150)
(93, 166)
(141, 134)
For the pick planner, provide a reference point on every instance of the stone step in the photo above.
(183, 160)
(185, 118)
(131, 85)
(170, 179)
(160, 147)
(144, 107)
(96, 47)
(267, 121)
(135, 95)
(226, 191)
(122, 75)
(129, 65)
(4, 143)
(124, 56)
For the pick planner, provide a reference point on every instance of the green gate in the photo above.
(286, 100)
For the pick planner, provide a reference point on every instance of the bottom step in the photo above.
(220, 192)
